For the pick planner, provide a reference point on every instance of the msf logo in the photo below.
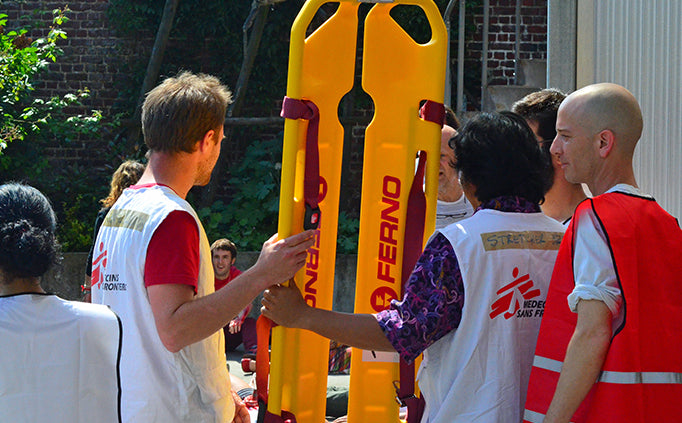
(98, 265)
(510, 297)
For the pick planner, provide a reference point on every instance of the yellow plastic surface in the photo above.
(321, 69)
(398, 73)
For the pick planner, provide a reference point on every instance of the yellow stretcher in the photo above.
(398, 73)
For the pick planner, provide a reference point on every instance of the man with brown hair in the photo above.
(539, 109)
(155, 268)
(242, 328)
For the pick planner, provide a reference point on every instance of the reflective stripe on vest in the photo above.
(624, 378)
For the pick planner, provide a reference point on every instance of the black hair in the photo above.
(498, 154)
(28, 245)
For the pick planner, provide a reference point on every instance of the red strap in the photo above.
(263, 328)
(433, 112)
(412, 249)
(306, 109)
(414, 221)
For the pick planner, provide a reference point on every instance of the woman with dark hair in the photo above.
(498, 157)
(474, 300)
(59, 359)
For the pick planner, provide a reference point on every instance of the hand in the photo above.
(279, 260)
(241, 413)
(235, 326)
(284, 305)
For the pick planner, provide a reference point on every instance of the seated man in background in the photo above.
(241, 329)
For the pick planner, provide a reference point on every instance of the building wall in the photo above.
(638, 44)
(97, 59)
(94, 58)
(502, 37)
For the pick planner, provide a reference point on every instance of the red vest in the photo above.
(641, 379)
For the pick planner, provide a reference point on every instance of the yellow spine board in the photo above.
(321, 69)
(398, 73)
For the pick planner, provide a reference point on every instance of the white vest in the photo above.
(58, 360)
(479, 372)
(192, 385)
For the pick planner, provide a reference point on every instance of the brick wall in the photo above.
(97, 59)
(94, 58)
(502, 37)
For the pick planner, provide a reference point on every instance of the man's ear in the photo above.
(208, 138)
(607, 141)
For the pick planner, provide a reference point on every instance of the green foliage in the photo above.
(74, 231)
(21, 59)
(30, 127)
(207, 37)
(347, 237)
(251, 217)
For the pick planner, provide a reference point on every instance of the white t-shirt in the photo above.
(595, 277)
(448, 213)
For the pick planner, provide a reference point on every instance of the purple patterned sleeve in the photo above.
(432, 305)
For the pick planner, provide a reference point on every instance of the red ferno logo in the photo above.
(313, 261)
(387, 270)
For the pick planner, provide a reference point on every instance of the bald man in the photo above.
(612, 355)
(452, 205)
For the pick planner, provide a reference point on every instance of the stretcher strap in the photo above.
(433, 112)
(307, 110)
(263, 328)
(412, 248)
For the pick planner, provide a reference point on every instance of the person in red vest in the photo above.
(241, 328)
(610, 338)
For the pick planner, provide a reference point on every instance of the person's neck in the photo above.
(227, 275)
(562, 199)
(173, 170)
(21, 286)
(450, 197)
(611, 176)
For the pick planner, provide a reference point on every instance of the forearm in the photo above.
(584, 359)
(183, 319)
(357, 330)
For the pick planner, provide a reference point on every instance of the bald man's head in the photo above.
(607, 106)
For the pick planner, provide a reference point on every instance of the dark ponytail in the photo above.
(28, 245)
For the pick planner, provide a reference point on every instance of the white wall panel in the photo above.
(638, 44)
